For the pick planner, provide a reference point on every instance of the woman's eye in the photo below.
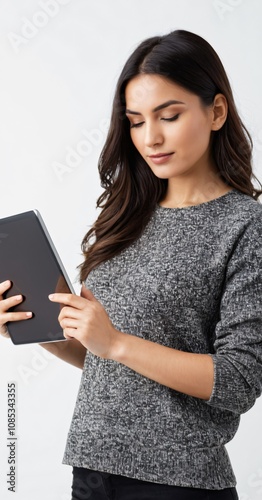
(134, 125)
(172, 119)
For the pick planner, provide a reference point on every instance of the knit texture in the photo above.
(193, 282)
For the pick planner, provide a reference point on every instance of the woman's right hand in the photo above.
(5, 305)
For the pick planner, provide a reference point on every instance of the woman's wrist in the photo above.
(118, 346)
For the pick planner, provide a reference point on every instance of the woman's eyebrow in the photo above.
(161, 106)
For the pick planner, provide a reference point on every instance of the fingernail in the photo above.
(18, 297)
(29, 314)
(51, 296)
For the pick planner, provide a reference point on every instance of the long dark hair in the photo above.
(131, 190)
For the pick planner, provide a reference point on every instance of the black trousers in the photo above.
(93, 485)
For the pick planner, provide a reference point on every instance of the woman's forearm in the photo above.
(84, 319)
(71, 351)
(189, 373)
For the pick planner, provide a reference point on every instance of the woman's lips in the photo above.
(160, 158)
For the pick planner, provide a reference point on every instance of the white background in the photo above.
(58, 72)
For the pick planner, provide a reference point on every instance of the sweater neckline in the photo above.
(205, 204)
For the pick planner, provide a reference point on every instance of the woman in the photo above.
(168, 326)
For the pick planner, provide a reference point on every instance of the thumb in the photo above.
(87, 294)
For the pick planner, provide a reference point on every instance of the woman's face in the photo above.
(169, 126)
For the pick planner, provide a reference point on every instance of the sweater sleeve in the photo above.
(237, 353)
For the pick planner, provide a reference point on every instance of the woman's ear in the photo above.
(220, 109)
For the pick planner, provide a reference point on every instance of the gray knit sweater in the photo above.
(193, 282)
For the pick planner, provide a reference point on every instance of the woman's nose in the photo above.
(153, 135)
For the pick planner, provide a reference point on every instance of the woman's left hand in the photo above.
(85, 319)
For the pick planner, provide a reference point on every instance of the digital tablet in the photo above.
(28, 259)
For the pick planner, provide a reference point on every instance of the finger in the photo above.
(10, 302)
(68, 299)
(69, 312)
(5, 285)
(7, 316)
(6, 304)
(87, 294)
(17, 316)
(69, 333)
(68, 323)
